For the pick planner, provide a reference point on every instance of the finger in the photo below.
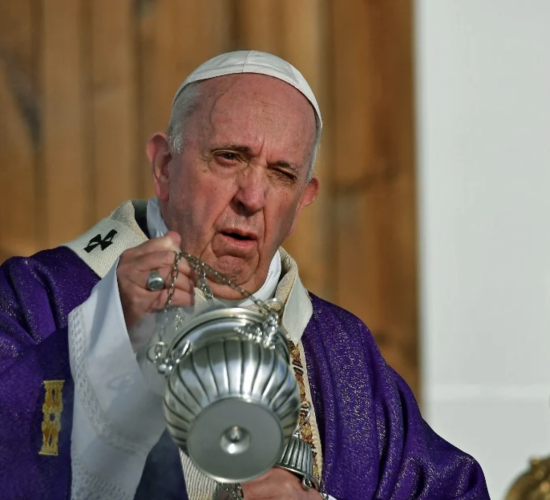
(158, 260)
(277, 484)
(180, 298)
(184, 278)
(171, 241)
(259, 487)
(182, 282)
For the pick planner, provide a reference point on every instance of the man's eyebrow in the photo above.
(248, 152)
(287, 164)
(235, 147)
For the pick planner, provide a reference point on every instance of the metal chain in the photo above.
(322, 491)
(174, 273)
(235, 490)
(203, 270)
(271, 308)
(160, 353)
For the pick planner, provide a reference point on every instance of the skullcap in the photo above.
(252, 61)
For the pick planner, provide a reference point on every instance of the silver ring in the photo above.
(155, 281)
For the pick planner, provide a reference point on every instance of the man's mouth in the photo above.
(240, 235)
(238, 240)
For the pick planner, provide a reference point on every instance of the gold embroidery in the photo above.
(306, 432)
(51, 425)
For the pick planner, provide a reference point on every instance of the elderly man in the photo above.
(231, 176)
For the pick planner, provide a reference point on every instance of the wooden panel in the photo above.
(154, 51)
(114, 104)
(83, 84)
(66, 190)
(175, 37)
(19, 129)
(374, 176)
(357, 89)
(301, 43)
(259, 25)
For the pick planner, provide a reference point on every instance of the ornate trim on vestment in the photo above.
(52, 409)
(309, 432)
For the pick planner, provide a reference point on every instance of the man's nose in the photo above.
(252, 184)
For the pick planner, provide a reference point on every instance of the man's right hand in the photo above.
(133, 270)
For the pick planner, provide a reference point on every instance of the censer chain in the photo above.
(234, 490)
(160, 357)
(203, 270)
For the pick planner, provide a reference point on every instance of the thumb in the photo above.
(175, 240)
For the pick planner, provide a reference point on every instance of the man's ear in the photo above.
(158, 152)
(310, 192)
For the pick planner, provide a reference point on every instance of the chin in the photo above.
(235, 268)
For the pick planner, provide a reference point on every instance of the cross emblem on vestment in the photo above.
(97, 241)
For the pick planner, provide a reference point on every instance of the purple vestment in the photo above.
(375, 442)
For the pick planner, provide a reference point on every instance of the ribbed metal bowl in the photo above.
(297, 457)
(231, 402)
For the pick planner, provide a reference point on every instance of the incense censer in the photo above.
(231, 400)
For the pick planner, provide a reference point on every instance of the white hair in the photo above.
(185, 104)
(181, 110)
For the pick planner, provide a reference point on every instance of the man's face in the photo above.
(237, 187)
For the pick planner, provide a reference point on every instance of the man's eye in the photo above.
(227, 155)
(286, 174)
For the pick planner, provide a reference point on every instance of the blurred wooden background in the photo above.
(83, 83)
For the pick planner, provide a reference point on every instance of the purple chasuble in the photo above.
(36, 295)
(375, 442)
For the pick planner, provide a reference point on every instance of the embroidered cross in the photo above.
(51, 425)
(102, 242)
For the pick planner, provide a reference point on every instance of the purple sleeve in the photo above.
(375, 441)
(36, 295)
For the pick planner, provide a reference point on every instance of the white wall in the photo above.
(483, 88)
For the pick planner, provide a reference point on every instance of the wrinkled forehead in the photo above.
(246, 108)
(254, 91)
